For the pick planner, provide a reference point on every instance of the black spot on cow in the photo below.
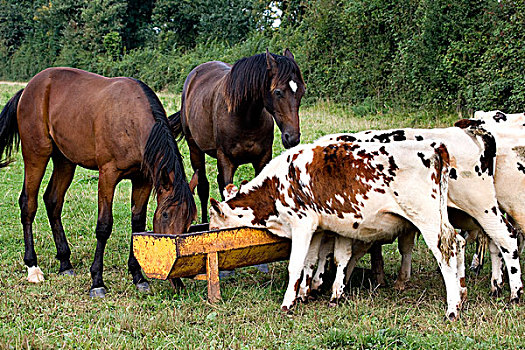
(486, 211)
(515, 254)
(468, 123)
(489, 154)
(426, 162)
(494, 210)
(419, 138)
(392, 166)
(433, 144)
(380, 167)
(355, 225)
(504, 250)
(288, 159)
(513, 270)
(383, 150)
(521, 167)
(498, 117)
(396, 135)
(346, 138)
(396, 194)
(240, 216)
(476, 169)
(367, 132)
(453, 174)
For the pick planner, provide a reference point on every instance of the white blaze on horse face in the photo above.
(293, 86)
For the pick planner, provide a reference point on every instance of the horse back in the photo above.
(91, 119)
(201, 99)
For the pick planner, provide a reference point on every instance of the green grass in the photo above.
(58, 313)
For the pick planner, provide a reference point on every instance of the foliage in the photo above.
(463, 55)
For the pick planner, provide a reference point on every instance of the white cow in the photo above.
(361, 191)
(471, 190)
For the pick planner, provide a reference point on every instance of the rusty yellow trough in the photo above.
(202, 253)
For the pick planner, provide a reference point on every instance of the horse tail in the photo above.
(9, 137)
(175, 123)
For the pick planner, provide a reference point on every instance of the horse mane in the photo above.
(162, 155)
(248, 79)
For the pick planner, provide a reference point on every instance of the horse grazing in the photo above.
(227, 113)
(114, 125)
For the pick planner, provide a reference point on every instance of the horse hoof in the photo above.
(99, 292)
(34, 274)
(143, 287)
(69, 272)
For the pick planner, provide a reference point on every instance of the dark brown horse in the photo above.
(114, 125)
(228, 111)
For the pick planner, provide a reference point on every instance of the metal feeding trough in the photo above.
(201, 253)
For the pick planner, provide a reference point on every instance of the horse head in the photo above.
(283, 99)
(176, 209)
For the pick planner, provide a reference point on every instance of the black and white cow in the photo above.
(471, 191)
(361, 191)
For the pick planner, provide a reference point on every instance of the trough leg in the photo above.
(212, 275)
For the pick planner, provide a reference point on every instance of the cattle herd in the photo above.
(345, 192)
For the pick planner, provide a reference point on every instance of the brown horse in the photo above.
(228, 111)
(114, 125)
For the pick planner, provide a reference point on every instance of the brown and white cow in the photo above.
(471, 190)
(360, 191)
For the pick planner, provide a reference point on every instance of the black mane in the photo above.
(162, 156)
(248, 79)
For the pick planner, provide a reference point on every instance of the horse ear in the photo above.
(230, 191)
(194, 181)
(216, 206)
(271, 64)
(288, 53)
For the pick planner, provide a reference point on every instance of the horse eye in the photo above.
(278, 92)
(164, 215)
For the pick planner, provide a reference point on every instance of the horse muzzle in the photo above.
(290, 139)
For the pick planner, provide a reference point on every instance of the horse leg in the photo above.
(108, 179)
(63, 172)
(141, 190)
(34, 169)
(226, 171)
(198, 163)
(259, 165)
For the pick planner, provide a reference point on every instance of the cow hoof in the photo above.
(34, 274)
(143, 287)
(496, 293)
(99, 292)
(452, 317)
(332, 303)
(69, 272)
(286, 310)
(514, 301)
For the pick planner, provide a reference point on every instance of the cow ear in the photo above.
(216, 206)
(244, 182)
(288, 53)
(230, 191)
(271, 64)
(194, 181)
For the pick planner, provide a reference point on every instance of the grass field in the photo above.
(58, 313)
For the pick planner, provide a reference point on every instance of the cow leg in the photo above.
(359, 249)
(301, 236)
(449, 269)
(309, 264)
(63, 172)
(342, 255)
(504, 236)
(460, 245)
(326, 250)
(497, 266)
(377, 263)
(405, 244)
